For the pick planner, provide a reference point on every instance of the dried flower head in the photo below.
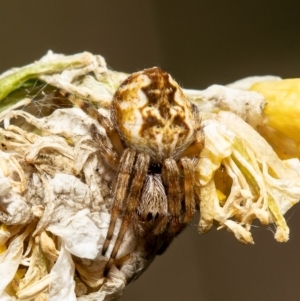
(58, 168)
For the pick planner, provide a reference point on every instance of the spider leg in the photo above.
(102, 142)
(166, 229)
(139, 174)
(188, 170)
(174, 195)
(105, 122)
(120, 192)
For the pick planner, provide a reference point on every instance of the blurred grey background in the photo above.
(200, 43)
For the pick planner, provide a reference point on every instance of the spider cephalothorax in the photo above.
(153, 140)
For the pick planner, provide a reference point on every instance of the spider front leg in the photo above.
(139, 173)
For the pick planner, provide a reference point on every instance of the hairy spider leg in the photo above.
(139, 174)
(189, 179)
(168, 228)
(173, 195)
(120, 192)
(105, 122)
(105, 148)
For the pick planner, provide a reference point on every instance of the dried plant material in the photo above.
(263, 186)
(248, 105)
(48, 246)
(55, 184)
(246, 83)
(281, 124)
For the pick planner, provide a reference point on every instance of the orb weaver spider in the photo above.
(153, 140)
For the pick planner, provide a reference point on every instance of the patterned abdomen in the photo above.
(152, 114)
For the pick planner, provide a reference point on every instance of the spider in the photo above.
(153, 141)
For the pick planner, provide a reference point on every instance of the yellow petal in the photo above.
(282, 115)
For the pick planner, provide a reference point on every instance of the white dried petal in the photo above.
(293, 163)
(48, 246)
(246, 104)
(18, 211)
(5, 186)
(79, 233)
(9, 263)
(62, 284)
(6, 297)
(239, 232)
(36, 278)
(218, 140)
(208, 200)
(66, 80)
(10, 260)
(65, 122)
(11, 169)
(218, 145)
(4, 234)
(35, 289)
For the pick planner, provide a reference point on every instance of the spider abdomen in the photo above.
(152, 115)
